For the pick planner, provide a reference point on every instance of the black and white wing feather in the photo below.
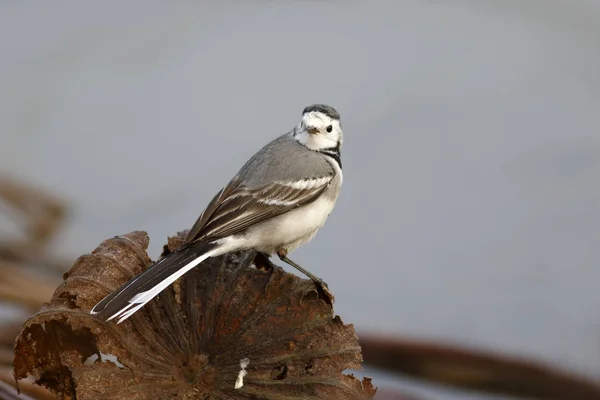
(237, 207)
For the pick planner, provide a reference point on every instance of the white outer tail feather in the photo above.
(140, 299)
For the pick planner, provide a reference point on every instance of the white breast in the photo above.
(292, 229)
(296, 227)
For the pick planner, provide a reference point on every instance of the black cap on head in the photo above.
(323, 108)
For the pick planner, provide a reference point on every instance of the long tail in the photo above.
(133, 295)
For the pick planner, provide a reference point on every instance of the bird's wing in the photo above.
(236, 207)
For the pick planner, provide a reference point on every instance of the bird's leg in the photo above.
(283, 257)
(263, 262)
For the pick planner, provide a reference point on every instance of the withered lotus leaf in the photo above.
(224, 331)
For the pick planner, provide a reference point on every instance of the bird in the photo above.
(276, 202)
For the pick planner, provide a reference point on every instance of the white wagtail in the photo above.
(275, 203)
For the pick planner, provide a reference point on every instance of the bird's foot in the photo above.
(322, 288)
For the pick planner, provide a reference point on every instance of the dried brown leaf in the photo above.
(188, 343)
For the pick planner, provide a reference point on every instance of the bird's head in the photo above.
(320, 128)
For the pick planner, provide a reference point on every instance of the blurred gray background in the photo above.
(470, 211)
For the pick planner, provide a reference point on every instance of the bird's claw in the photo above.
(323, 289)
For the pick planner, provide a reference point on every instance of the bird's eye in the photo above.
(329, 128)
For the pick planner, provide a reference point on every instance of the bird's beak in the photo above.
(312, 130)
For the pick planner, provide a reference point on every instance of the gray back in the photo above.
(284, 159)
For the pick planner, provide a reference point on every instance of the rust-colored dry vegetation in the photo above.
(190, 341)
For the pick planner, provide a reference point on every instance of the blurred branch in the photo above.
(20, 286)
(393, 395)
(21, 261)
(475, 370)
(41, 214)
(28, 273)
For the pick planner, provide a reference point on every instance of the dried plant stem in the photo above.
(476, 370)
(20, 286)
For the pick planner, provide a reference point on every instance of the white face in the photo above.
(317, 131)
